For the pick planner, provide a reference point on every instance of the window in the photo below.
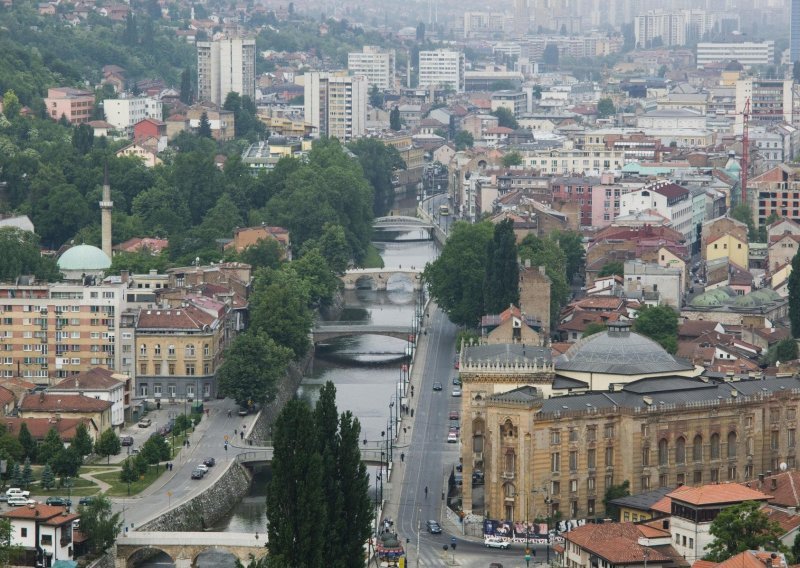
(697, 448)
(663, 480)
(573, 460)
(590, 507)
(609, 457)
(555, 487)
(555, 462)
(748, 471)
(172, 390)
(663, 452)
(591, 434)
(190, 370)
(157, 349)
(732, 473)
(573, 485)
(731, 445)
(697, 478)
(609, 431)
(714, 446)
(774, 415)
(143, 368)
(646, 456)
(790, 437)
(714, 475)
(573, 435)
(555, 437)
(645, 483)
(171, 369)
(680, 450)
(590, 484)
(143, 349)
(143, 390)
(189, 350)
(591, 458)
(171, 350)
(23, 532)
(157, 390)
(773, 440)
(206, 350)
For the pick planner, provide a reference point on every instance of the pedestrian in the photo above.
(402, 457)
(250, 441)
(241, 435)
(235, 431)
(412, 413)
(229, 413)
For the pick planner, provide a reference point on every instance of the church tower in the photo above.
(106, 205)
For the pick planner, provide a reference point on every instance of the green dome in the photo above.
(706, 300)
(84, 257)
(747, 301)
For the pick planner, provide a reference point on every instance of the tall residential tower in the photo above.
(225, 66)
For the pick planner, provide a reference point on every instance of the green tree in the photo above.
(571, 242)
(795, 551)
(11, 104)
(16, 475)
(550, 55)
(793, 286)
(784, 350)
(265, 253)
(204, 129)
(512, 158)
(253, 368)
(378, 161)
(27, 473)
(27, 441)
(279, 307)
(744, 214)
(8, 551)
(354, 488)
(659, 323)
(100, 525)
(108, 445)
(128, 473)
(320, 280)
(186, 87)
(593, 328)
(456, 278)
(21, 256)
(742, 527)
(605, 108)
(394, 119)
(463, 140)
(49, 447)
(82, 442)
(155, 450)
(48, 477)
(501, 284)
(506, 118)
(375, 97)
(547, 252)
(612, 268)
(332, 245)
(83, 138)
(615, 492)
(296, 502)
(66, 462)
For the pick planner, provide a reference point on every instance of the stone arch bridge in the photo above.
(184, 547)
(381, 277)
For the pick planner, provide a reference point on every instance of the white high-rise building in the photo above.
(660, 28)
(442, 68)
(124, 113)
(748, 53)
(376, 64)
(226, 66)
(336, 106)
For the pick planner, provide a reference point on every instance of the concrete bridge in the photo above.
(400, 223)
(324, 332)
(369, 455)
(379, 278)
(184, 547)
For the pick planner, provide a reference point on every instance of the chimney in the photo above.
(773, 484)
(542, 271)
(41, 396)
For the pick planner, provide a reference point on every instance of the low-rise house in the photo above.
(43, 532)
(66, 428)
(148, 152)
(101, 384)
(55, 406)
(511, 326)
(248, 236)
(613, 545)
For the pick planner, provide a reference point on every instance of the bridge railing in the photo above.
(370, 455)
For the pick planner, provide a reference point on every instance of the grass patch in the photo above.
(119, 489)
(373, 258)
(80, 488)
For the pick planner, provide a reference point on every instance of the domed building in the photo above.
(81, 261)
(613, 358)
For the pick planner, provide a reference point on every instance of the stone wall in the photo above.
(106, 560)
(260, 433)
(208, 507)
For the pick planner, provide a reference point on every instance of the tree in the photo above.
(784, 350)
(505, 118)
(550, 55)
(186, 87)
(463, 140)
(253, 368)
(742, 527)
(11, 104)
(83, 138)
(265, 253)
(571, 242)
(66, 462)
(378, 161)
(99, 524)
(49, 447)
(21, 255)
(744, 214)
(501, 284)
(394, 119)
(659, 323)
(456, 278)
(204, 129)
(375, 97)
(27, 441)
(48, 477)
(82, 442)
(320, 280)
(108, 445)
(612, 268)
(512, 158)
(605, 108)
(128, 473)
(296, 502)
(8, 551)
(593, 328)
(280, 309)
(793, 286)
(332, 244)
(16, 475)
(795, 551)
(615, 492)
(27, 473)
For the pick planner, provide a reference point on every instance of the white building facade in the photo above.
(225, 66)
(748, 53)
(123, 113)
(376, 64)
(336, 106)
(442, 68)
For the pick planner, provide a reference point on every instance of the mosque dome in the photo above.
(85, 258)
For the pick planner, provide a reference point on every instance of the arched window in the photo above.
(697, 450)
(508, 491)
(663, 452)
(157, 349)
(510, 462)
(732, 444)
(715, 446)
(171, 350)
(189, 349)
(143, 349)
(680, 450)
(646, 456)
(477, 435)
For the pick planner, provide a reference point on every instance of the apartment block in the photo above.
(376, 64)
(565, 161)
(748, 53)
(125, 112)
(225, 66)
(669, 200)
(53, 331)
(75, 105)
(770, 101)
(336, 106)
(515, 101)
(442, 68)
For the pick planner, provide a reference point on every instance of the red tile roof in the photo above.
(723, 493)
(187, 317)
(664, 505)
(617, 543)
(788, 521)
(97, 378)
(46, 514)
(44, 402)
(786, 489)
(748, 559)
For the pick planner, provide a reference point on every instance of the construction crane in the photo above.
(745, 150)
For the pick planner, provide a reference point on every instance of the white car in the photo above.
(452, 438)
(456, 392)
(202, 467)
(19, 501)
(495, 542)
(16, 492)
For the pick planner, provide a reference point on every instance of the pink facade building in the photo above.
(75, 105)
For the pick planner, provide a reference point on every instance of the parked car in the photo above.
(198, 473)
(16, 492)
(452, 437)
(126, 440)
(456, 392)
(145, 423)
(19, 501)
(58, 502)
(495, 542)
(86, 501)
(454, 415)
(437, 386)
(455, 365)
(434, 527)
(457, 381)
(209, 462)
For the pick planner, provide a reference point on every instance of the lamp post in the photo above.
(389, 440)
(380, 474)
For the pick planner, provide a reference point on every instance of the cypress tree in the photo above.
(82, 441)
(501, 285)
(356, 515)
(326, 427)
(26, 440)
(48, 477)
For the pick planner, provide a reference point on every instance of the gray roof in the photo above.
(507, 353)
(521, 395)
(621, 352)
(643, 501)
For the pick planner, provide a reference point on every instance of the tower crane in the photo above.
(745, 164)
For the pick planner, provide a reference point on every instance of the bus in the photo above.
(444, 210)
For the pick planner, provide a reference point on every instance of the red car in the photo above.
(455, 365)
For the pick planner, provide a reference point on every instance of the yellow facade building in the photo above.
(736, 250)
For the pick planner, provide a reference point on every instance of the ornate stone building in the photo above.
(546, 455)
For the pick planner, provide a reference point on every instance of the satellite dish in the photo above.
(783, 466)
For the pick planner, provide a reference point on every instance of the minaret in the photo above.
(106, 205)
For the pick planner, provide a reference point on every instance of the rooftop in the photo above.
(718, 494)
(45, 402)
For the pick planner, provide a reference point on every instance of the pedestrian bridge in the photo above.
(255, 455)
(400, 223)
(379, 278)
(324, 332)
(184, 547)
